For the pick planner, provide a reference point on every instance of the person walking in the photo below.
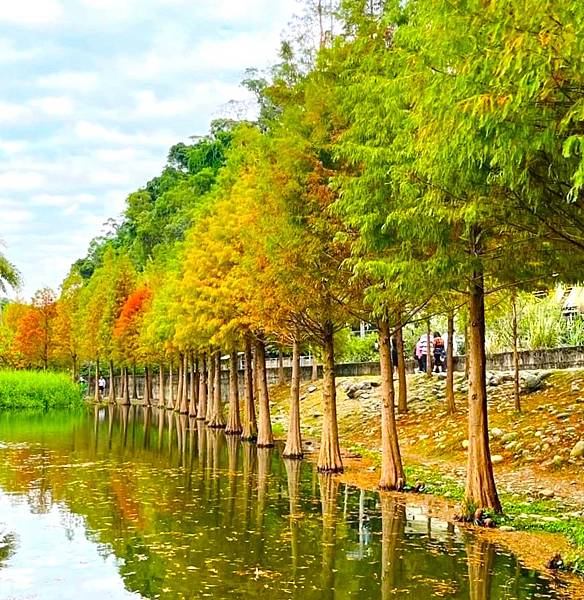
(439, 353)
(101, 386)
(425, 349)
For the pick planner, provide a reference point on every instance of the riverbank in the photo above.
(538, 468)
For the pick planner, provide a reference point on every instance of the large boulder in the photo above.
(530, 382)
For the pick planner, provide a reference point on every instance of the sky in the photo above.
(94, 93)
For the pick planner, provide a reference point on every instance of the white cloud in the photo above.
(21, 181)
(62, 200)
(70, 81)
(31, 13)
(96, 132)
(11, 111)
(54, 106)
(10, 53)
(13, 146)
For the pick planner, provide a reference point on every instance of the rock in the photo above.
(496, 458)
(575, 388)
(317, 415)
(465, 444)
(530, 382)
(508, 437)
(506, 528)
(375, 383)
(563, 416)
(580, 399)
(557, 460)
(547, 493)
(311, 389)
(496, 433)
(506, 378)
(578, 450)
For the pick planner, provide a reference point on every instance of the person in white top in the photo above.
(425, 347)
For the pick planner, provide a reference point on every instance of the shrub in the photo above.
(33, 389)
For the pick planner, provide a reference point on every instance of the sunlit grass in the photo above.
(33, 389)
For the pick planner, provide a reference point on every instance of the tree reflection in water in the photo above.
(393, 522)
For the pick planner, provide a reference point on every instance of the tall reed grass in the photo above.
(34, 389)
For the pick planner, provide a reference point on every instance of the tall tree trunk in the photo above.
(194, 385)
(234, 420)
(429, 355)
(450, 405)
(402, 398)
(265, 436)
(210, 385)
(170, 400)
(75, 369)
(217, 419)
(250, 426)
(184, 401)
(480, 491)
(314, 374)
(202, 408)
(329, 458)
(112, 382)
(134, 383)
(126, 385)
(122, 384)
(179, 389)
(147, 385)
(392, 472)
(161, 399)
(515, 353)
(97, 397)
(281, 377)
(293, 447)
(466, 352)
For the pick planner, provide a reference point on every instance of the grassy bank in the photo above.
(32, 389)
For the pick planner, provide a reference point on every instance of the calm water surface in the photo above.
(127, 503)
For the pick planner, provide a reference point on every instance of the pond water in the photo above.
(122, 502)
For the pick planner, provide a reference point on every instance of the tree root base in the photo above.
(340, 469)
(229, 431)
(294, 456)
(212, 425)
(268, 445)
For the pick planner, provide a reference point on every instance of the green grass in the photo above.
(34, 390)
